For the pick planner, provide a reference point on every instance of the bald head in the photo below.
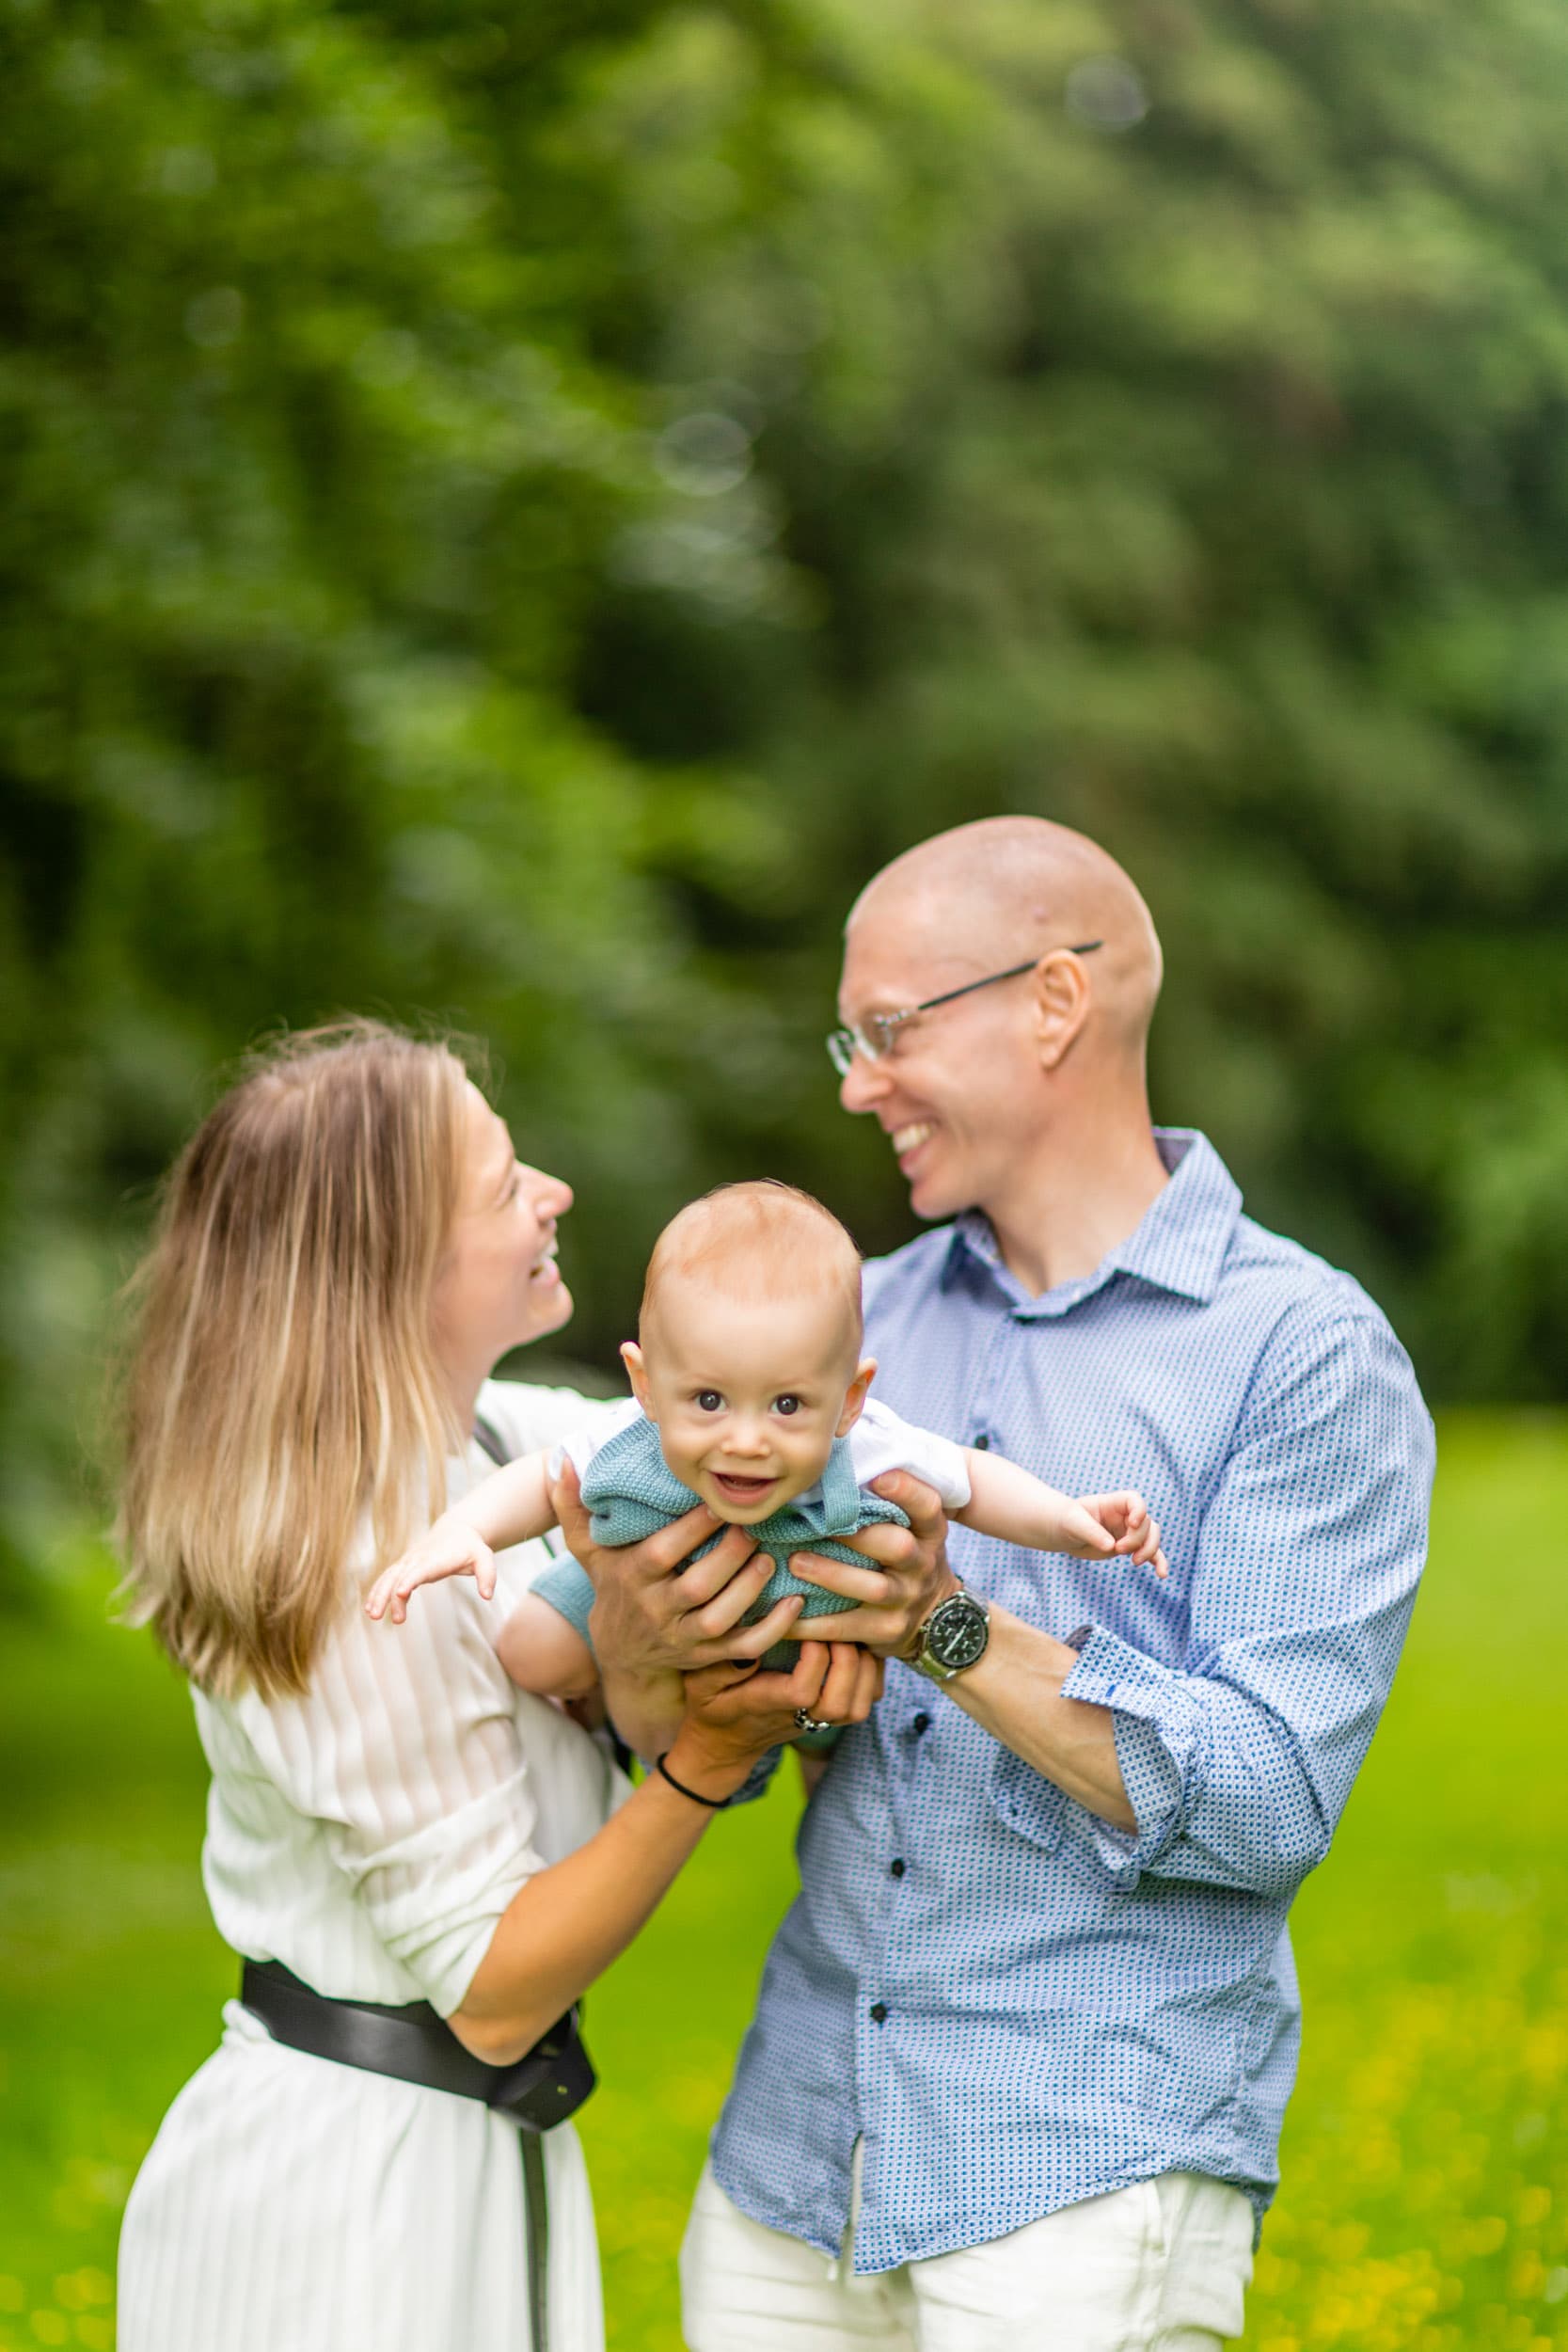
(758, 1242)
(1007, 887)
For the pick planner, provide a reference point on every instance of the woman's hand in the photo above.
(734, 1713)
(906, 1575)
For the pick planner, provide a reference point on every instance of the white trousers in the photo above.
(1161, 2266)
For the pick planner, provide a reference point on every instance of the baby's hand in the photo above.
(1122, 1524)
(450, 1549)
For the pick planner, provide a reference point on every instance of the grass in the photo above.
(1425, 2205)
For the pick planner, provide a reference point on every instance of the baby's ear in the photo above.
(637, 1371)
(854, 1398)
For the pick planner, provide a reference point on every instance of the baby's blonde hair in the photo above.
(284, 1384)
(757, 1241)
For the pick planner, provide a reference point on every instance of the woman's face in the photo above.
(498, 1285)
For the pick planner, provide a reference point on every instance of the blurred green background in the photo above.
(510, 515)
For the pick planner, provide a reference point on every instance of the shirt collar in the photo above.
(832, 1504)
(1178, 1244)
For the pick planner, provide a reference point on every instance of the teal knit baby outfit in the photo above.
(631, 1492)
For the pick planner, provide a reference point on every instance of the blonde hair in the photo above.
(761, 1239)
(282, 1382)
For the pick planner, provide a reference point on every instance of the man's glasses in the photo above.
(878, 1034)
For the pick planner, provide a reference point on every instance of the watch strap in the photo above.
(924, 1663)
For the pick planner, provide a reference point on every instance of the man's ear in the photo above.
(637, 1371)
(1061, 992)
(854, 1396)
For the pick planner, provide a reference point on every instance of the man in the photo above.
(1024, 2040)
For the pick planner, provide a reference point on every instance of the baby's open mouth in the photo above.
(742, 1489)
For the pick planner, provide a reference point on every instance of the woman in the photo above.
(347, 1247)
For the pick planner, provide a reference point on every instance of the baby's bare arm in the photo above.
(511, 1506)
(543, 1653)
(1018, 1508)
(507, 1508)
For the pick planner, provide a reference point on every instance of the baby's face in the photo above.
(747, 1398)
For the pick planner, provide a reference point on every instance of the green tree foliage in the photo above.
(513, 513)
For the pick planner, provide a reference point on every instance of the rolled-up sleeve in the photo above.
(1238, 1763)
(405, 1755)
(434, 1896)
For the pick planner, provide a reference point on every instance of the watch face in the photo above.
(956, 1636)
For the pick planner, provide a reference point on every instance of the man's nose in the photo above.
(863, 1085)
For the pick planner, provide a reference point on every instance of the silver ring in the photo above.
(806, 1721)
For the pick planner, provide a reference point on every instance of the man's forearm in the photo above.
(1016, 1693)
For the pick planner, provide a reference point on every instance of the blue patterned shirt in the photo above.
(1013, 2005)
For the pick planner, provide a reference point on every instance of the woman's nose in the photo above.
(551, 1196)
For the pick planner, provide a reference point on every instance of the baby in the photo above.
(751, 1394)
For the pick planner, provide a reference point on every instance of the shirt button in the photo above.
(879, 2011)
(982, 1443)
(898, 1868)
(921, 1723)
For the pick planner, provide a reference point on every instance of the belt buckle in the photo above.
(548, 2082)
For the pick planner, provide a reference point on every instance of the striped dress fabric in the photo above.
(370, 1835)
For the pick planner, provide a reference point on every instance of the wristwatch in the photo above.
(953, 1637)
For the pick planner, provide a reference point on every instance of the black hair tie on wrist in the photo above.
(714, 1804)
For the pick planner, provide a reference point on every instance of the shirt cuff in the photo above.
(1160, 1732)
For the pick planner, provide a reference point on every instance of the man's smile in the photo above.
(909, 1139)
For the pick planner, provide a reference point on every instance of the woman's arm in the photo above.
(564, 1927)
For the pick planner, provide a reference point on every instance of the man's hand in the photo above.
(906, 1575)
(654, 1619)
(652, 1613)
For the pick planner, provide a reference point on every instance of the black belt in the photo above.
(414, 2045)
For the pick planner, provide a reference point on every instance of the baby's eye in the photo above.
(786, 1403)
(709, 1401)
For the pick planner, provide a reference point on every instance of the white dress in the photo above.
(369, 1835)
